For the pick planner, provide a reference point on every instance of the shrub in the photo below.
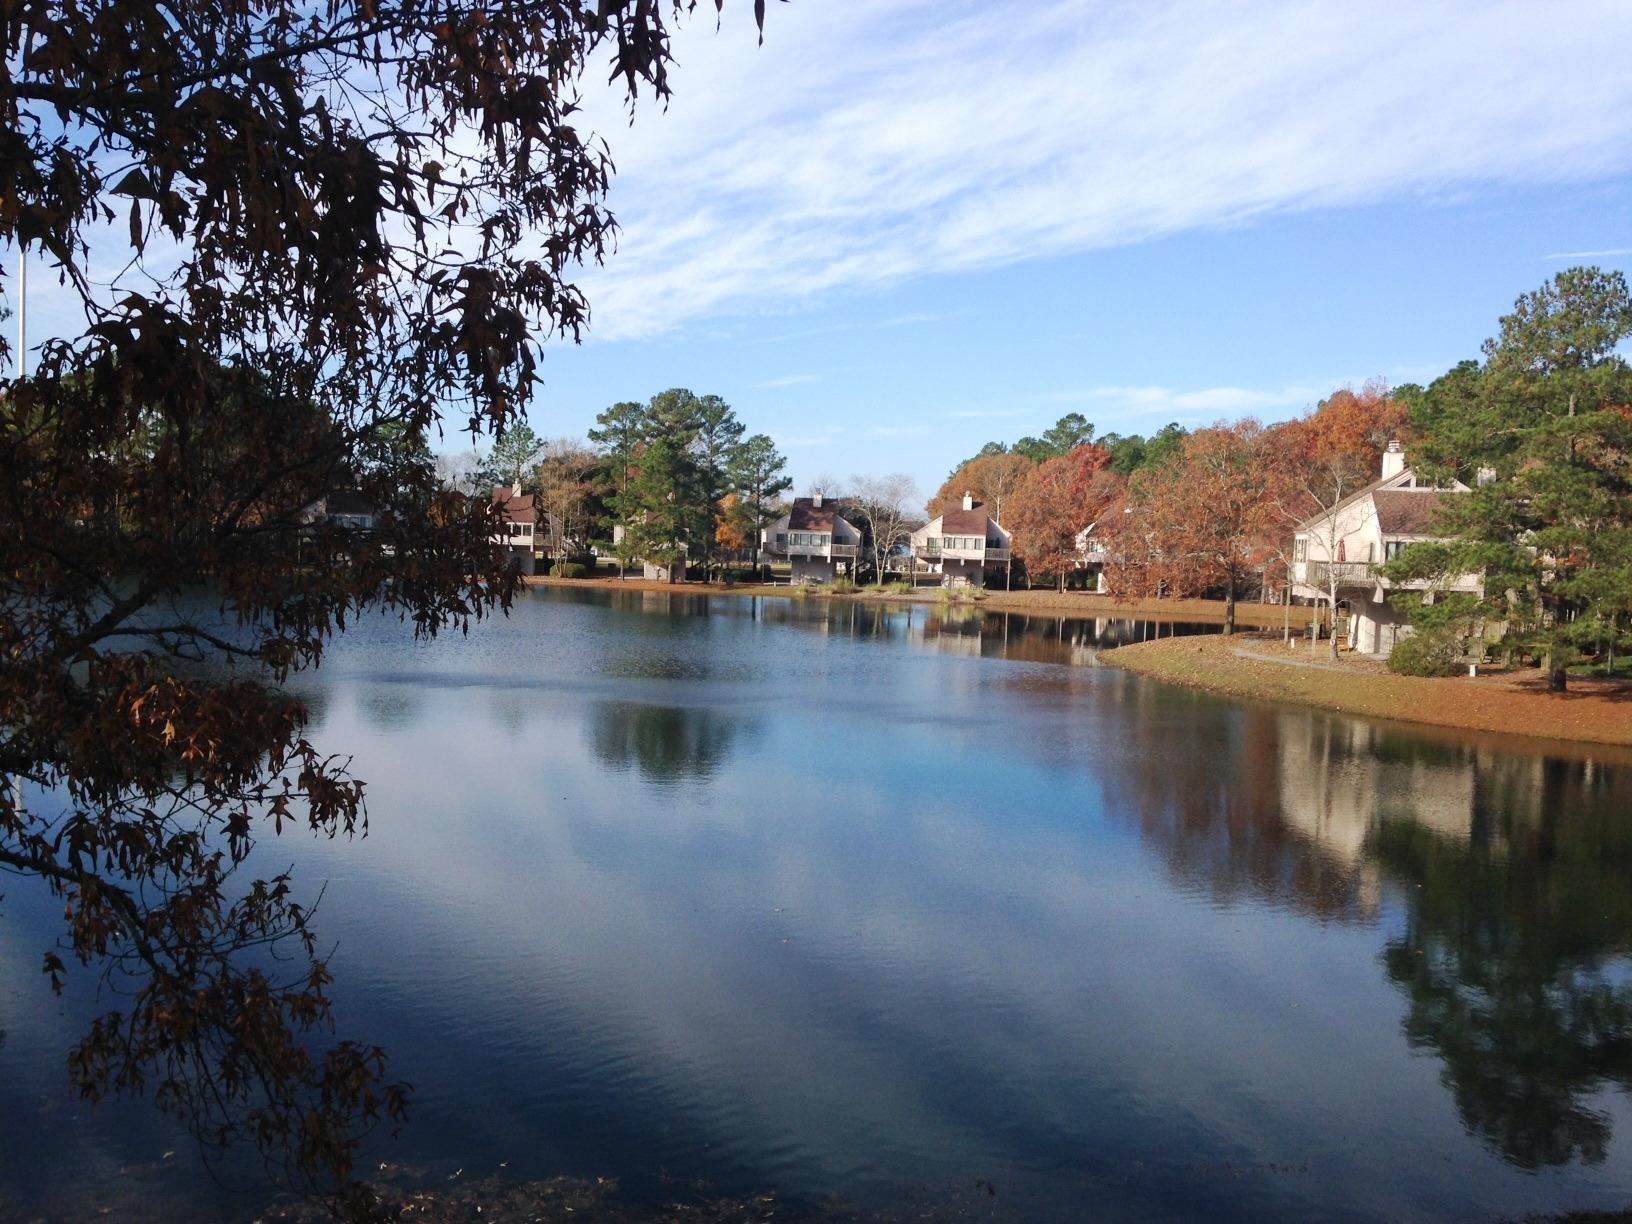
(571, 569)
(843, 586)
(1425, 653)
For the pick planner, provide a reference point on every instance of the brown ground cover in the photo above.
(1507, 703)
(1058, 603)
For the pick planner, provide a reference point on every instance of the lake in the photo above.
(919, 906)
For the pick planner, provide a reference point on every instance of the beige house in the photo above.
(1350, 541)
(819, 543)
(962, 544)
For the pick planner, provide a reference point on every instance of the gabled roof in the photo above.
(517, 507)
(347, 501)
(1403, 482)
(805, 515)
(1408, 512)
(955, 520)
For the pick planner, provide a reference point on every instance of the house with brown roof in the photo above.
(1350, 541)
(525, 533)
(819, 543)
(963, 544)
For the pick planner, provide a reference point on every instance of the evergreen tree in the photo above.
(1544, 432)
(759, 476)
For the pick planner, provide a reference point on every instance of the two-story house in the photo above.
(962, 544)
(1350, 541)
(525, 533)
(819, 543)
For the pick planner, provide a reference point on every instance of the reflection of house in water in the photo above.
(1338, 779)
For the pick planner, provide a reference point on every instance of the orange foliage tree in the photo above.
(1332, 453)
(993, 479)
(1207, 520)
(1060, 497)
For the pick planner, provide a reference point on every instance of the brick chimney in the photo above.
(968, 501)
(816, 501)
(1393, 459)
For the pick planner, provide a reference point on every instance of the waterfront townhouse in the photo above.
(817, 541)
(1350, 541)
(963, 544)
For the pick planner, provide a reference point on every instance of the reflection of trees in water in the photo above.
(1513, 957)
(666, 743)
(1515, 873)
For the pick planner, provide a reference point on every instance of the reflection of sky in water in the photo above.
(821, 898)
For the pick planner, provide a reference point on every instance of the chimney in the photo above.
(968, 501)
(816, 501)
(1393, 460)
(515, 490)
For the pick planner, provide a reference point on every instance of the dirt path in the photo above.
(1593, 711)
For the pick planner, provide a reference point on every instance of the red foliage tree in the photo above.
(1207, 520)
(1060, 498)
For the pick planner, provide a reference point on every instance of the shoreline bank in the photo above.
(1083, 604)
(1507, 704)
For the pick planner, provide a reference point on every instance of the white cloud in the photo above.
(896, 431)
(1203, 404)
(864, 144)
(788, 380)
(1604, 254)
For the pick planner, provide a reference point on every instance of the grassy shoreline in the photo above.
(1053, 603)
(1506, 704)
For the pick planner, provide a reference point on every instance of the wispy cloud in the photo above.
(1607, 253)
(867, 144)
(789, 380)
(896, 431)
(1205, 403)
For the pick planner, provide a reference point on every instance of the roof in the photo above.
(1407, 512)
(347, 501)
(955, 520)
(518, 507)
(805, 515)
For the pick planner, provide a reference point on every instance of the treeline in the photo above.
(1539, 431)
(676, 478)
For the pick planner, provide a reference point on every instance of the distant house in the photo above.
(527, 533)
(1362, 533)
(819, 543)
(1091, 555)
(962, 544)
(344, 508)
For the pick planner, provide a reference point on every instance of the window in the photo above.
(1391, 548)
(1300, 548)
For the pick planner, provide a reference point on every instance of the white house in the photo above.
(651, 569)
(819, 543)
(961, 544)
(345, 508)
(1091, 555)
(1352, 539)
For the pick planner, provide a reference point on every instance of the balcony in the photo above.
(1347, 573)
(987, 556)
(780, 547)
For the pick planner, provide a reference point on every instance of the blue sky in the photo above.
(901, 228)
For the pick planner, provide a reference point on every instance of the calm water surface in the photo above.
(831, 899)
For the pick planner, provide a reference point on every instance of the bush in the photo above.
(571, 569)
(843, 586)
(1425, 653)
